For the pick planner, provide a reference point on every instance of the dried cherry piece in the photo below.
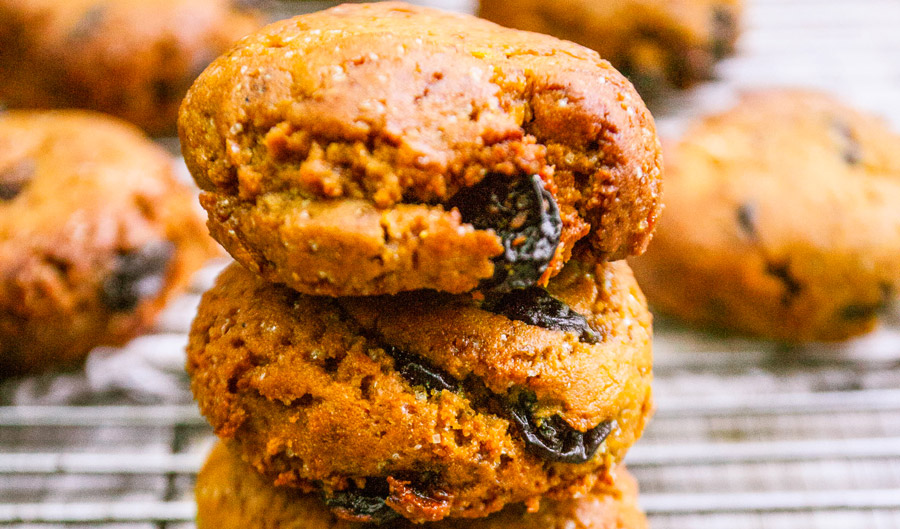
(365, 505)
(137, 275)
(408, 497)
(552, 439)
(747, 219)
(526, 218)
(725, 28)
(851, 150)
(89, 22)
(418, 372)
(863, 311)
(535, 306)
(14, 179)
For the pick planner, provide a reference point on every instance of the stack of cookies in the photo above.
(428, 320)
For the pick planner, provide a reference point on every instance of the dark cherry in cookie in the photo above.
(369, 149)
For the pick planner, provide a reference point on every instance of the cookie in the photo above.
(782, 220)
(134, 59)
(231, 495)
(659, 45)
(95, 235)
(428, 404)
(378, 148)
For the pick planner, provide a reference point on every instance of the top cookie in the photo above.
(134, 59)
(376, 148)
(782, 220)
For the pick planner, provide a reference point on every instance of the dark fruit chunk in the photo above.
(137, 275)
(365, 505)
(851, 149)
(525, 217)
(14, 179)
(746, 216)
(88, 22)
(408, 496)
(552, 439)
(871, 310)
(418, 372)
(782, 272)
(535, 306)
(164, 90)
(725, 28)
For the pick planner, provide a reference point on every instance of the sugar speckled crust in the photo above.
(782, 220)
(658, 44)
(95, 235)
(131, 58)
(330, 144)
(309, 388)
(231, 495)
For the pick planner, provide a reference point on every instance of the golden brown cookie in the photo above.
(782, 220)
(95, 235)
(231, 495)
(434, 405)
(658, 44)
(131, 58)
(378, 148)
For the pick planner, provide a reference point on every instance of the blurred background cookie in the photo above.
(134, 59)
(95, 235)
(230, 495)
(657, 44)
(349, 152)
(782, 220)
(427, 404)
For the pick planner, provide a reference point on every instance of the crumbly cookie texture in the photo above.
(134, 59)
(782, 220)
(231, 495)
(95, 235)
(658, 44)
(335, 148)
(435, 405)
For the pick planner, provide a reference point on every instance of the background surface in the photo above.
(747, 435)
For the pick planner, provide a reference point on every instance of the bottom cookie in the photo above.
(230, 494)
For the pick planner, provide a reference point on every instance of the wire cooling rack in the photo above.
(747, 434)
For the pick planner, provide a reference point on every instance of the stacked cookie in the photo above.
(424, 324)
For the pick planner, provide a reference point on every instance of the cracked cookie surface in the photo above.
(782, 220)
(231, 495)
(331, 148)
(134, 59)
(658, 44)
(428, 404)
(95, 234)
